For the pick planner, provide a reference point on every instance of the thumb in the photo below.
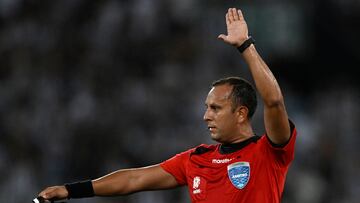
(222, 37)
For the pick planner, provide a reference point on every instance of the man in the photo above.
(243, 168)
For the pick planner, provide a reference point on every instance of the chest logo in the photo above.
(239, 174)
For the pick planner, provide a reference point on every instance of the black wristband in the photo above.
(80, 189)
(246, 44)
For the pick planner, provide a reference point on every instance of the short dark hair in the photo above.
(243, 93)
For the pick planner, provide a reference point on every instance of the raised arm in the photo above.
(275, 115)
(121, 182)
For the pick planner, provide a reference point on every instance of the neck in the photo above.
(233, 147)
(244, 133)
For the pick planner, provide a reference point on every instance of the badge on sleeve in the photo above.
(239, 174)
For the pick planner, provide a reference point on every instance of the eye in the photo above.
(215, 107)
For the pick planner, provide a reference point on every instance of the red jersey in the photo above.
(253, 174)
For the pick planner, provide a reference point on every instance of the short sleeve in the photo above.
(176, 166)
(283, 153)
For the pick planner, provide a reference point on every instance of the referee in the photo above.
(242, 167)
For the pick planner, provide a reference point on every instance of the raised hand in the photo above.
(237, 30)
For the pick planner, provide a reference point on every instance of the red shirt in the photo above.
(253, 174)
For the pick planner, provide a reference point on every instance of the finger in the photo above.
(41, 194)
(241, 16)
(227, 19)
(47, 194)
(222, 37)
(231, 16)
(235, 14)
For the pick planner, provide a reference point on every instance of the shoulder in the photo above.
(197, 150)
(284, 153)
(184, 157)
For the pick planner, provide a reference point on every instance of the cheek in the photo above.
(232, 121)
(227, 122)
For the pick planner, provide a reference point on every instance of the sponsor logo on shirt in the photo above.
(221, 161)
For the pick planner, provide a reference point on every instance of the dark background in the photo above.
(89, 87)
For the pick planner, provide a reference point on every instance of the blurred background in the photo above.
(89, 87)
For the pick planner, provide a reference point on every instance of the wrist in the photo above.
(246, 44)
(80, 189)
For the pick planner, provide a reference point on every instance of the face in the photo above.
(222, 121)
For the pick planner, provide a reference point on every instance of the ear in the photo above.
(242, 113)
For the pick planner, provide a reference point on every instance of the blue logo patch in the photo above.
(239, 174)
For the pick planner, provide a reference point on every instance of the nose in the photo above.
(207, 116)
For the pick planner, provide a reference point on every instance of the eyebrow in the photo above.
(213, 105)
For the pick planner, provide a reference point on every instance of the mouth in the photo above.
(211, 128)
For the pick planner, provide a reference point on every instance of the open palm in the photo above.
(237, 30)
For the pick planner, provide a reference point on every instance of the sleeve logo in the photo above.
(196, 184)
(239, 174)
(197, 188)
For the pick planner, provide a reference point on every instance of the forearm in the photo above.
(116, 183)
(128, 181)
(265, 81)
